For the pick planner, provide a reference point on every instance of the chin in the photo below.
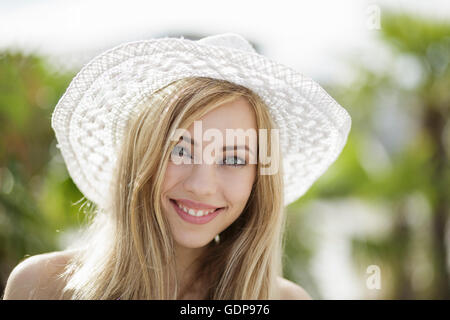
(193, 242)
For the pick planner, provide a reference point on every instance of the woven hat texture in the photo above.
(90, 118)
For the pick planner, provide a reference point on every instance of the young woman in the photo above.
(183, 211)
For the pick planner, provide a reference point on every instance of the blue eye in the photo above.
(179, 151)
(237, 162)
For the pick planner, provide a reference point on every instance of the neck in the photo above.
(186, 265)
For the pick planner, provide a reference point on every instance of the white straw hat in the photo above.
(90, 118)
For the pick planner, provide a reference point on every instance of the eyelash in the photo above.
(232, 165)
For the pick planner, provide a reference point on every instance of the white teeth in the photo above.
(193, 212)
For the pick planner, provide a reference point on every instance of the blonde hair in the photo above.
(127, 251)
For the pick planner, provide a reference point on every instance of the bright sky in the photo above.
(309, 36)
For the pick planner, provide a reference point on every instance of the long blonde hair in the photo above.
(127, 251)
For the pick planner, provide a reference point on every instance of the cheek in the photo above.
(237, 187)
(174, 174)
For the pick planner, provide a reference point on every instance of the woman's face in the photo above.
(222, 183)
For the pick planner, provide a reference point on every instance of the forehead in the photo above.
(236, 114)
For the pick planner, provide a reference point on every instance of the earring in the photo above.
(217, 239)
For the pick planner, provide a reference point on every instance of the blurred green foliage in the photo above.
(413, 256)
(35, 190)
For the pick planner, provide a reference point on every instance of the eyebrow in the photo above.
(225, 148)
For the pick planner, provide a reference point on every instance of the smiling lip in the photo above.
(196, 220)
(195, 205)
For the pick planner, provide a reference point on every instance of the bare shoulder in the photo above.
(291, 291)
(37, 277)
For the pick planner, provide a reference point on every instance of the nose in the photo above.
(201, 180)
